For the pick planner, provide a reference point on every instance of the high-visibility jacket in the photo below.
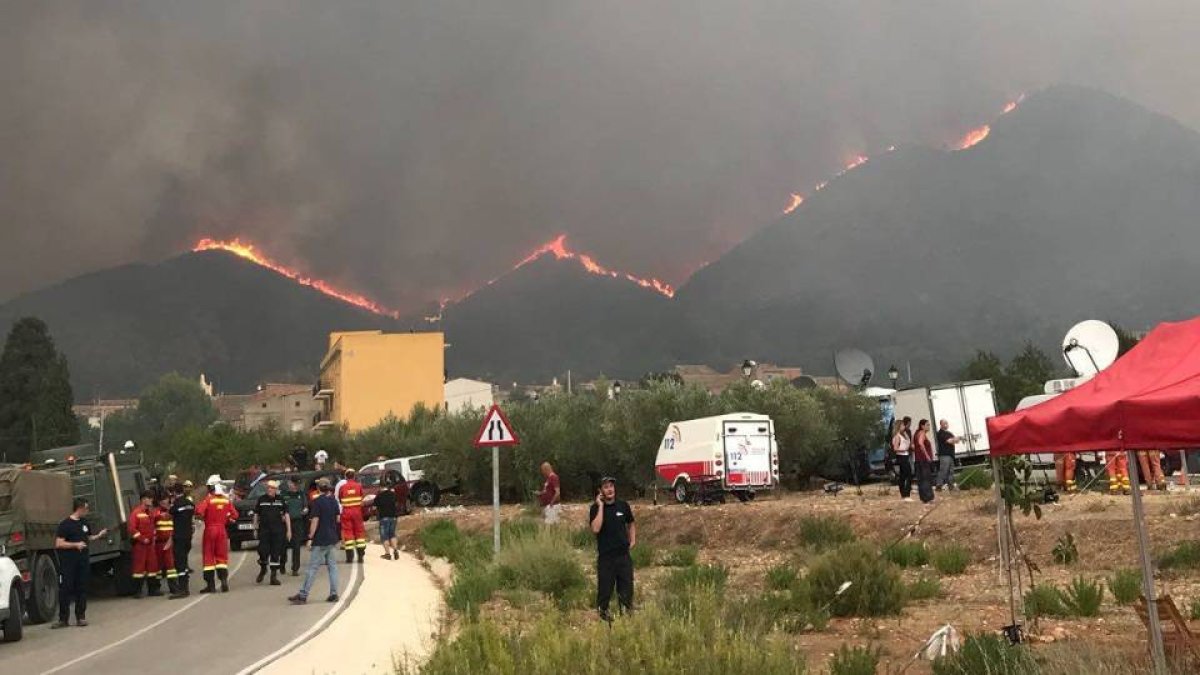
(350, 495)
(164, 525)
(141, 524)
(216, 511)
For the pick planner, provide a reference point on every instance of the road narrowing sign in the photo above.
(496, 430)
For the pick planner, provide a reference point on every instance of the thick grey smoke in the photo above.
(413, 149)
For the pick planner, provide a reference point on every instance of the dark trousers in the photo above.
(904, 464)
(614, 571)
(270, 547)
(294, 545)
(183, 549)
(72, 586)
(925, 473)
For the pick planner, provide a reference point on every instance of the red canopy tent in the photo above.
(1148, 399)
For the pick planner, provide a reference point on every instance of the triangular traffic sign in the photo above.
(495, 430)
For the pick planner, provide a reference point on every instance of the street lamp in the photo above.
(616, 388)
(748, 367)
(893, 375)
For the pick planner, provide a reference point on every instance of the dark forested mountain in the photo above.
(201, 312)
(1076, 205)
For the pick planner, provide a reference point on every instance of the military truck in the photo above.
(33, 502)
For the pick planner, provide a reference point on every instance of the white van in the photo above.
(736, 452)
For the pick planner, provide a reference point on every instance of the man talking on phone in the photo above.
(616, 533)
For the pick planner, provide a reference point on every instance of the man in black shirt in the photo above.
(274, 529)
(385, 510)
(945, 450)
(71, 541)
(616, 533)
(183, 512)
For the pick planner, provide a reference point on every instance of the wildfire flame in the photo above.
(972, 138)
(248, 251)
(558, 248)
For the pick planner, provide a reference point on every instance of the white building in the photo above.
(463, 394)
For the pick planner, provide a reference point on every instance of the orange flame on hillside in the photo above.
(972, 138)
(248, 251)
(558, 248)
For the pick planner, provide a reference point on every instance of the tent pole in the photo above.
(1003, 539)
(1156, 639)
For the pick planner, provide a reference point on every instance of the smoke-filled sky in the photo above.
(411, 150)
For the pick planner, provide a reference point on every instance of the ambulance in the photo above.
(733, 453)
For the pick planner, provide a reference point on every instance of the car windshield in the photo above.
(259, 490)
(369, 478)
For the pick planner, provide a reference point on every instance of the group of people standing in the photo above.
(913, 453)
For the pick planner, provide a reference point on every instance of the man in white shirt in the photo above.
(321, 457)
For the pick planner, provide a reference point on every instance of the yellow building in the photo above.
(367, 375)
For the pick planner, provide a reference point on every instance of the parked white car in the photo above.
(12, 614)
(422, 492)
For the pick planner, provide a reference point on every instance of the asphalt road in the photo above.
(235, 632)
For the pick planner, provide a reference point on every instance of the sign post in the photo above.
(496, 431)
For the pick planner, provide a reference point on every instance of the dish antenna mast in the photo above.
(854, 366)
(1090, 347)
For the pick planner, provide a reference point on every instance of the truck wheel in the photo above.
(43, 590)
(681, 491)
(425, 495)
(743, 496)
(14, 623)
(122, 571)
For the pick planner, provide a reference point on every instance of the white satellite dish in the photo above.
(854, 366)
(1090, 347)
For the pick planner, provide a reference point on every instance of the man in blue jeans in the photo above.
(323, 537)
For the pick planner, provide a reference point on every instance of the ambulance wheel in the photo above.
(43, 590)
(14, 623)
(681, 491)
(743, 496)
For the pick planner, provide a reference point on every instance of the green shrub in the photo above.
(907, 553)
(875, 586)
(825, 532)
(1126, 586)
(643, 555)
(518, 528)
(1065, 552)
(1044, 600)
(443, 539)
(782, 577)
(849, 660)
(950, 560)
(583, 538)
(649, 642)
(542, 562)
(792, 610)
(1083, 597)
(696, 578)
(1184, 555)
(975, 479)
(923, 589)
(473, 585)
(986, 654)
(1194, 610)
(684, 556)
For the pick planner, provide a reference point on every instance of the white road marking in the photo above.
(317, 627)
(142, 631)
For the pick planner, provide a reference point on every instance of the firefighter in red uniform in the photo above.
(141, 533)
(354, 533)
(216, 510)
(164, 534)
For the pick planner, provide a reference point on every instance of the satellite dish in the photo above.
(854, 366)
(1090, 347)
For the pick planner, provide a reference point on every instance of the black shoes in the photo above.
(298, 599)
(333, 597)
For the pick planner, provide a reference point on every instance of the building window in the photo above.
(264, 405)
(297, 404)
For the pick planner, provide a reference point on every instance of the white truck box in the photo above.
(965, 405)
